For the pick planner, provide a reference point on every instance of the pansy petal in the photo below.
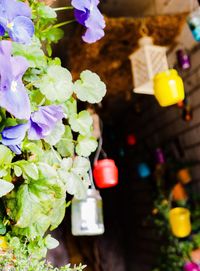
(91, 35)
(15, 148)
(19, 70)
(22, 30)
(2, 30)
(15, 131)
(82, 4)
(9, 9)
(34, 132)
(44, 120)
(95, 20)
(6, 47)
(81, 16)
(16, 101)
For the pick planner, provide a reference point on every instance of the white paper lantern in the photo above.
(146, 62)
(87, 214)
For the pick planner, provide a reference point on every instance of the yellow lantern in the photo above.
(168, 88)
(146, 62)
(180, 222)
(3, 243)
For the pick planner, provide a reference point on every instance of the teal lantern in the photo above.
(194, 23)
(144, 170)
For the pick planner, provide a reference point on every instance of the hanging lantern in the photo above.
(195, 255)
(190, 266)
(184, 176)
(87, 214)
(194, 23)
(187, 113)
(131, 140)
(168, 88)
(179, 193)
(144, 170)
(160, 158)
(105, 173)
(146, 62)
(183, 59)
(180, 222)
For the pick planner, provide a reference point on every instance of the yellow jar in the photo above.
(168, 88)
(3, 243)
(180, 222)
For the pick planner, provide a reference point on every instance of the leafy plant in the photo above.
(44, 140)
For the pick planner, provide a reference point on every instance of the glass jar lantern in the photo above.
(87, 214)
(146, 62)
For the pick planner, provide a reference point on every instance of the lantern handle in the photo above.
(100, 150)
(91, 176)
(144, 31)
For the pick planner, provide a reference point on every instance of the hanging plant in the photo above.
(41, 158)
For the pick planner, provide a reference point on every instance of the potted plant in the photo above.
(44, 140)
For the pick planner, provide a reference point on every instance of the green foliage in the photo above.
(34, 185)
(89, 88)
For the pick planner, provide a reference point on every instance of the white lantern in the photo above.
(146, 62)
(87, 214)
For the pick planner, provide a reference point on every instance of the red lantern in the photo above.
(105, 173)
(131, 139)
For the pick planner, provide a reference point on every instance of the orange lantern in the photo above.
(179, 193)
(180, 222)
(184, 176)
(195, 255)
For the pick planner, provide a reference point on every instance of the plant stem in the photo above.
(63, 23)
(63, 8)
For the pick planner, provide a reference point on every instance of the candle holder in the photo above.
(168, 88)
(183, 59)
(160, 158)
(180, 222)
(190, 266)
(193, 21)
(87, 214)
(144, 170)
(105, 173)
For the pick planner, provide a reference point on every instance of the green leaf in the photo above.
(3, 172)
(5, 187)
(90, 88)
(46, 12)
(56, 134)
(53, 35)
(17, 171)
(56, 84)
(70, 107)
(5, 155)
(81, 123)
(29, 169)
(81, 165)
(86, 145)
(33, 53)
(75, 185)
(51, 242)
(66, 146)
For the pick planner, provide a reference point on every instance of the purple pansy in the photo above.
(41, 124)
(13, 95)
(87, 13)
(13, 136)
(43, 121)
(15, 19)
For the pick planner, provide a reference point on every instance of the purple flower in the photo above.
(43, 121)
(13, 136)
(87, 13)
(15, 19)
(13, 95)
